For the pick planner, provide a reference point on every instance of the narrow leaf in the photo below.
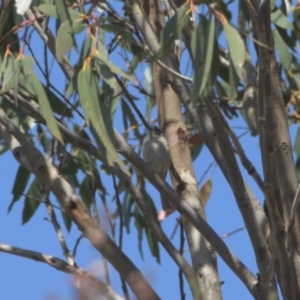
(173, 29)
(33, 200)
(208, 55)
(205, 191)
(20, 184)
(281, 20)
(236, 47)
(64, 42)
(97, 115)
(45, 107)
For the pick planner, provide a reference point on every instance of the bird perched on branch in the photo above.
(156, 153)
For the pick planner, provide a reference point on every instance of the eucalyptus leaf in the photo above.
(45, 107)
(236, 47)
(33, 200)
(21, 181)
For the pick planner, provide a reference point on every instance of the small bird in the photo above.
(156, 153)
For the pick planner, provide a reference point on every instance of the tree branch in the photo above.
(61, 265)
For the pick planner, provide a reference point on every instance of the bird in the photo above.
(157, 154)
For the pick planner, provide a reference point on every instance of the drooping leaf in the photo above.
(297, 144)
(45, 107)
(233, 81)
(153, 243)
(67, 221)
(285, 56)
(83, 160)
(102, 58)
(64, 41)
(196, 145)
(207, 70)
(205, 191)
(281, 20)
(142, 225)
(172, 30)
(26, 65)
(106, 74)
(20, 184)
(127, 210)
(236, 47)
(62, 11)
(33, 199)
(10, 77)
(45, 142)
(85, 190)
(97, 115)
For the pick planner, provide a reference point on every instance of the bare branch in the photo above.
(61, 265)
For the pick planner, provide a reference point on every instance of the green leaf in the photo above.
(286, 57)
(3, 65)
(85, 190)
(233, 81)
(153, 243)
(58, 106)
(45, 142)
(127, 210)
(281, 20)
(98, 116)
(236, 47)
(141, 224)
(45, 107)
(83, 160)
(64, 41)
(297, 144)
(70, 167)
(102, 58)
(20, 184)
(208, 57)
(33, 199)
(106, 74)
(67, 221)
(205, 57)
(26, 65)
(51, 10)
(172, 30)
(11, 72)
(62, 11)
(197, 42)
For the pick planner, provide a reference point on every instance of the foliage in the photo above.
(71, 72)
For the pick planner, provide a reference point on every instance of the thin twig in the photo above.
(58, 230)
(61, 265)
(77, 244)
(225, 236)
(131, 101)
